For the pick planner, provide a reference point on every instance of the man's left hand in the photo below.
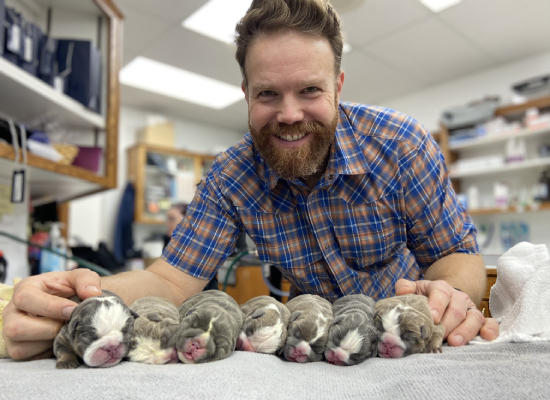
(454, 309)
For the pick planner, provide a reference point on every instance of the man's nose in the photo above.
(290, 111)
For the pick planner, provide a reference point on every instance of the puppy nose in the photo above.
(195, 345)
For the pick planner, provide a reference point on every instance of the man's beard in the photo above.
(299, 162)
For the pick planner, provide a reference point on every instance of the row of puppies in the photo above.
(210, 325)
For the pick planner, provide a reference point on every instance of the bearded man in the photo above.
(342, 198)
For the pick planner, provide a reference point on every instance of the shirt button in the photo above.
(331, 177)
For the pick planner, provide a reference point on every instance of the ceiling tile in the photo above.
(169, 10)
(506, 29)
(377, 18)
(140, 28)
(430, 51)
(369, 81)
(193, 52)
(234, 117)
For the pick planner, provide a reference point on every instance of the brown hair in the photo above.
(311, 17)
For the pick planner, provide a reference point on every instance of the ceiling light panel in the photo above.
(439, 5)
(164, 79)
(218, 18)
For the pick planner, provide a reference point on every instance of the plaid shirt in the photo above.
(383, 210)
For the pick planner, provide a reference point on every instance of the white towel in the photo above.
(520, 298)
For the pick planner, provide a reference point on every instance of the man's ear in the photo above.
(339, 84)
(243, 87)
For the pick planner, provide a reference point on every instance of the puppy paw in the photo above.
(67, 364)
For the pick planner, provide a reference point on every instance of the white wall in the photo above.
(93, 218)
(427, 105)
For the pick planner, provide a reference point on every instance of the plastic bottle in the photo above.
(473, 198)
(3, 267)
(50, 261)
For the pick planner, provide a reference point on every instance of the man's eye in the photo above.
(311, 89)
(266, 93)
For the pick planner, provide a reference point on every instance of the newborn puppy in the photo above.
(405, 326)
(98, 332)
(264, 328)
(210, 323)
(154, 338)
(352, 337)
(308, 327)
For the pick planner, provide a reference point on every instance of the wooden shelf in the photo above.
(29, 97)
(50, 179)
(543, 207)
(539, 162)
(489, 140)
(24, 98)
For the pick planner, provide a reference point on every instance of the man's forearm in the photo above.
(160, 279)
(462, 271)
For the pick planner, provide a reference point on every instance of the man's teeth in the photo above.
(291, 138)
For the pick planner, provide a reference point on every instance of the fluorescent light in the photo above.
(218, 18)
(439, 5)
(164, 79)
(346, 49)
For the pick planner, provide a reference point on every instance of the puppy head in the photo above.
(154, 342)
(100, 330)
(264, 331)
(402, 330)
(204, 335)
(352, 338)
(307, 337)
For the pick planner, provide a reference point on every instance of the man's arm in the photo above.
(160, 279)
(462, 271)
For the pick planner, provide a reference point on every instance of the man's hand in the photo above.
(456, 311)
(39, 308)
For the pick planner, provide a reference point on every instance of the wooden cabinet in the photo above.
(491, 280)
(163, 176)
(25, 99)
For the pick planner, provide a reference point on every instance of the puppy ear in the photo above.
(258, 313)
(294, 316)
(424, 332)
(337, 319)
(134, 314)
(154, 317)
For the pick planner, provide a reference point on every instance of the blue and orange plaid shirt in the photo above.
(383, 210)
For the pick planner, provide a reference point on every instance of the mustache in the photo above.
(296, 127)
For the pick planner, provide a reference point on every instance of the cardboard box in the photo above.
(159, 134)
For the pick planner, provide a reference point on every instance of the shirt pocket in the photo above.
(373, 232)
(282, 239)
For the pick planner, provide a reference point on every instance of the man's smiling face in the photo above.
(292, 95)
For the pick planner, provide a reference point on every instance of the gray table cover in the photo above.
(499, 371)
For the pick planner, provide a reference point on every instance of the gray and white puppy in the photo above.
(265, 324)
(98, 332)
(310, 319)
(405, 326)
(352, 337)
(154, 338)
(210, 323)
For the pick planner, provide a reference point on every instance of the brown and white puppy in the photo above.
(352, 337)
(265, 324)
(154, 338)
(308, 327)
(98, 333)
(405, 326)
(210, 323)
